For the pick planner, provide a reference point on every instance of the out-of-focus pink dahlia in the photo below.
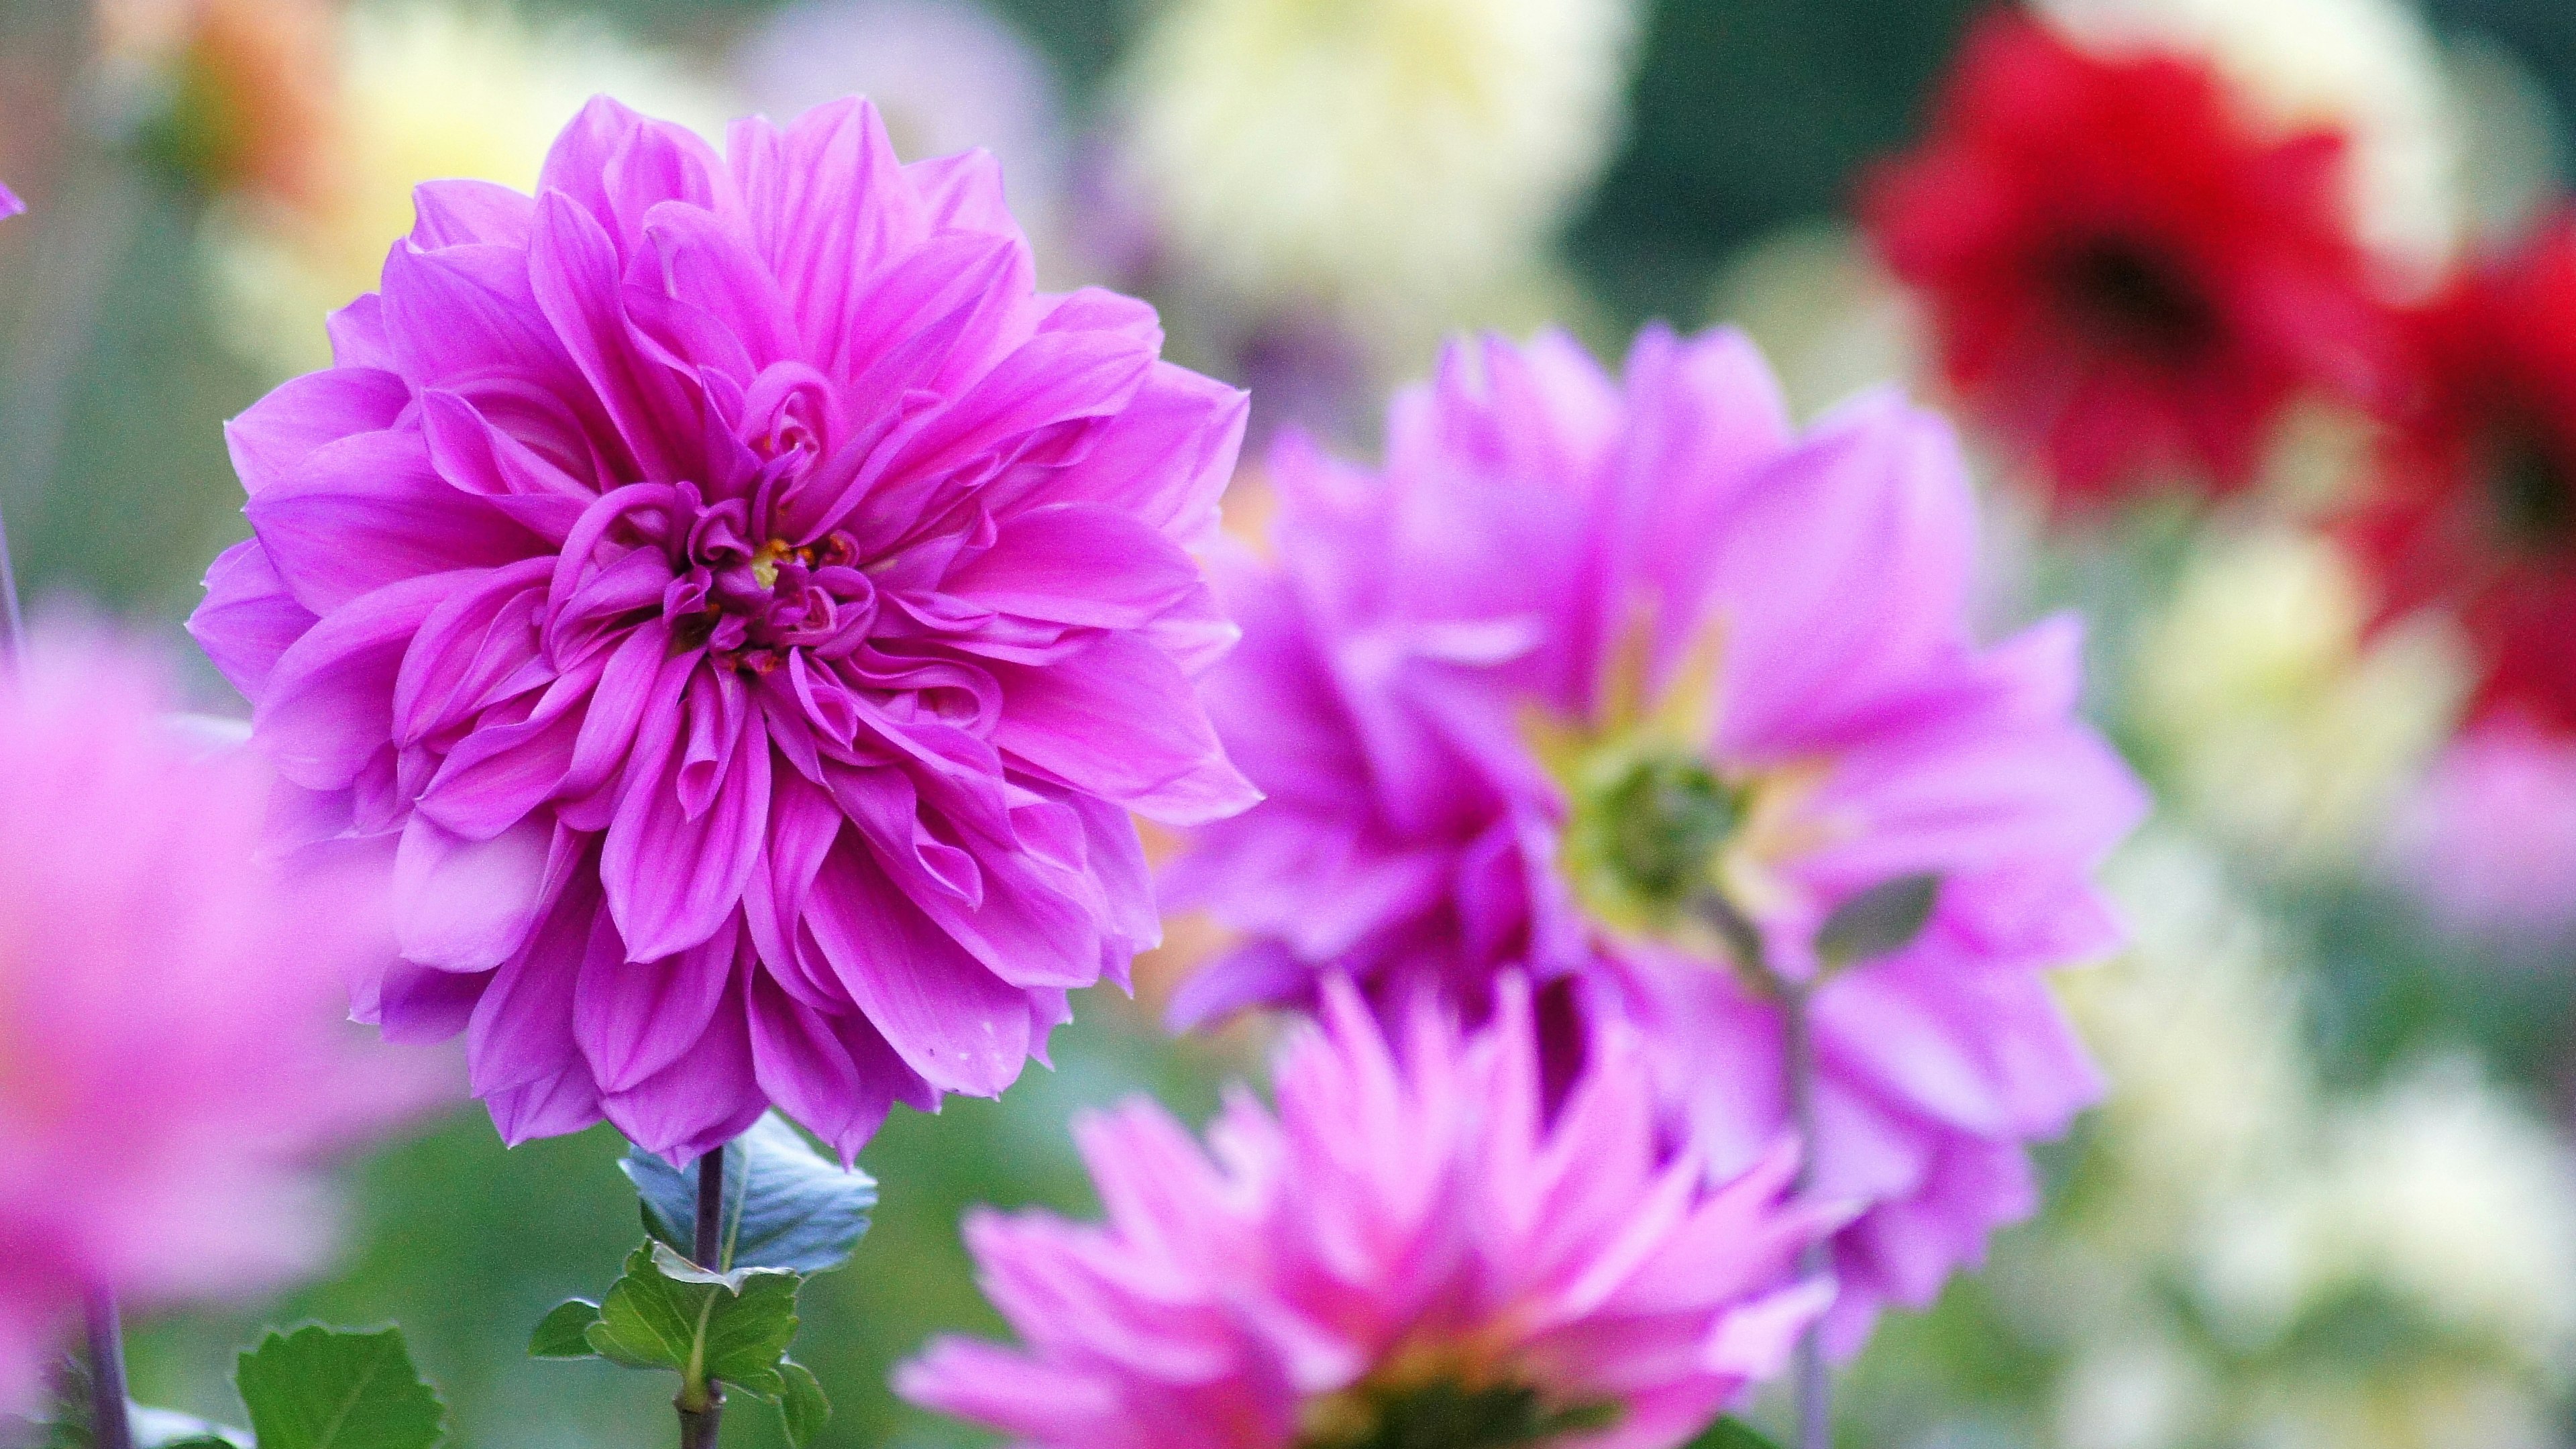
(747, 609)
(10, 205)
(1412, 1250)
(173, 1045)
(1593, 671)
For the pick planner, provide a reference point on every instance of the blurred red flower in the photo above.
(2473, 500)
(2125, 276)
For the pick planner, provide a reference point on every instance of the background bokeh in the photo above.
(2330, 1201)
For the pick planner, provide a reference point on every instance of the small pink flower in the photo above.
(173, 1053)
(2489, 838)
(1410, 1235)
(745, 609)
(1588, 653)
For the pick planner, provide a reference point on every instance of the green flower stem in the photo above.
(111, 1427)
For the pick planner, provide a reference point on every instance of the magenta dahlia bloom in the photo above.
(747, 610)
(174, 1051)
(1411, 1243)
(1590, 667)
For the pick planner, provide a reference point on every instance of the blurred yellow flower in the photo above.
(426, 92)
(2271, 717)
(1396, 161)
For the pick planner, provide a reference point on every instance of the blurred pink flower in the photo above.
(10, 205)
(1589, 654)
(2489, 838)
(174, 1052)
(747, 610)
(1411, 1239)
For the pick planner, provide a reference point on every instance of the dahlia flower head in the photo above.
(174, 1053)
(745, 611)
(1590, 660)
(2471, 507)
(2126, 274)
(1413, 1249)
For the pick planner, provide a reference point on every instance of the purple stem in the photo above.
(110, 1426)
(699, 1428)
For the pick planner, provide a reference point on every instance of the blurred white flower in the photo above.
(2369, 67)
(2144, 1391)
(2455, 1197)
(427, 92)
(947, 76)
(2274, 719)
(1398, 161)
(2199, 1029)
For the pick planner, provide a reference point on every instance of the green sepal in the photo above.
(333, 1388)
(563, 1332)
(1880, 920)
(786, 1205)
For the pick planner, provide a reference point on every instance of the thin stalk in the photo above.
(1814, 1382)
(700, 1427)
(110, 1425)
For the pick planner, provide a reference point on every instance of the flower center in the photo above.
(2533, 502)
(2131, 297)
(1644, 829)
(1446, 1414)
(750, 606)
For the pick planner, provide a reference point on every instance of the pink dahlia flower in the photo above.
(10, 205)
(1589, 663)
(173, 1048)
(1411, 1245)
(746, 609)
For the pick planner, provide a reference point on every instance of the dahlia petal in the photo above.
(573, 275)
(828, 210)
(699, 1103)
(419, 1005)
(633, 1018)
(1120, 720)
(804, 823)
(271, 439)
(461, 313)
(248, 619)
(707, 265)
(468, 905)
(834, 1073)
(464, 211)
(1078, 564)
(963, 192)
(371, 510)
(499, 774)
(328, 710)
(672, 880)
(521, 1032)
(961, 1027)
(1850, 562)
(521, 484)
(358, 338)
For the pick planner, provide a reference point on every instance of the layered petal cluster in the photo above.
(174, 1053)
(1592, 665)
(2126, 275)
(2472, 507)
(1410, 1250)
(746, 610)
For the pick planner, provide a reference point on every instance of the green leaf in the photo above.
(1886, 917)
(786, 1205)
(1731, 1434)
(803, 1406)
(709, 1328)
(332, 1388)
(562, 1332)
